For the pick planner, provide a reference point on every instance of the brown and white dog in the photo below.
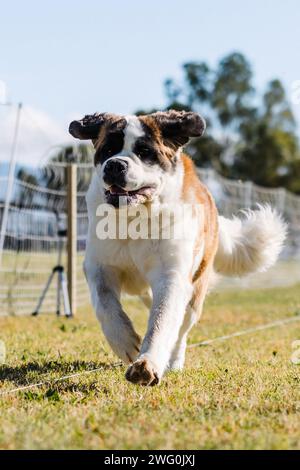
(140, 159)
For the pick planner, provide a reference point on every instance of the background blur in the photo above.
(237, 63)
(65, 59)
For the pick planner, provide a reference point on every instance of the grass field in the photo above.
(243, 393)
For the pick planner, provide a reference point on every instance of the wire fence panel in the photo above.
(39, 204)
(38, 209)
(233, 196)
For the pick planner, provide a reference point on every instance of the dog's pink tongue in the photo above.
(116, 190)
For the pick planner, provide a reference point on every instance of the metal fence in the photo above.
(31, 241)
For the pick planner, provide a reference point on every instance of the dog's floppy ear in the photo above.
(177, 127)
(88, 127)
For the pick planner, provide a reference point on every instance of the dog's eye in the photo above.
(107, 151)
(145, 153)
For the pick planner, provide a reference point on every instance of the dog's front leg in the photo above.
(171, 293)
(117, 327)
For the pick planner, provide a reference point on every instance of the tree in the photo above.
(232, 91)
(247, 137)
(26, 194)
(52, 176)
(269, 146)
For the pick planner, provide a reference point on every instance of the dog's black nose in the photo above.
(114, 171)
(115, 167)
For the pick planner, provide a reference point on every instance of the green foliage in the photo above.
(53, 176)
(232, 90)
(81, 153)
(25, 195)
(269, 147)
(248, 137)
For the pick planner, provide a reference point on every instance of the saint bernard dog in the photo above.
(140, 159)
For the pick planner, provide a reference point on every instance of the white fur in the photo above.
(113, 266)
(138, 174)
(134, 266)
(249, 244)
(132, 132)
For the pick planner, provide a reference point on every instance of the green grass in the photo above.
(243, 393)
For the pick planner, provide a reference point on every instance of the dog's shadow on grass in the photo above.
(51, 371)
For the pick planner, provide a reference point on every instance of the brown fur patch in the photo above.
(194, 192)
(112, 122)
(166, 154)
(141, 372)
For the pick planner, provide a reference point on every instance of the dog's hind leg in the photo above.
(104, 285)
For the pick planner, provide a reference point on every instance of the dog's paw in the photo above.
(176, 363)
(142, 372)
(126, 345)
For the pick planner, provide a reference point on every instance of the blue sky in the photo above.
(67, 58)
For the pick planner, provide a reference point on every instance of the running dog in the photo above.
(139, 160)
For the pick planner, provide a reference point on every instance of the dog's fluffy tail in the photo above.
(251, 243)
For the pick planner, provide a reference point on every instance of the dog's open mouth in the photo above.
(117, 196)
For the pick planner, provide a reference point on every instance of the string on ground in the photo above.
(281, 322)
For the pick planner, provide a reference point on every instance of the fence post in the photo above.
(72, 234)
(281, 199)
(10, 182)
(248, 185)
